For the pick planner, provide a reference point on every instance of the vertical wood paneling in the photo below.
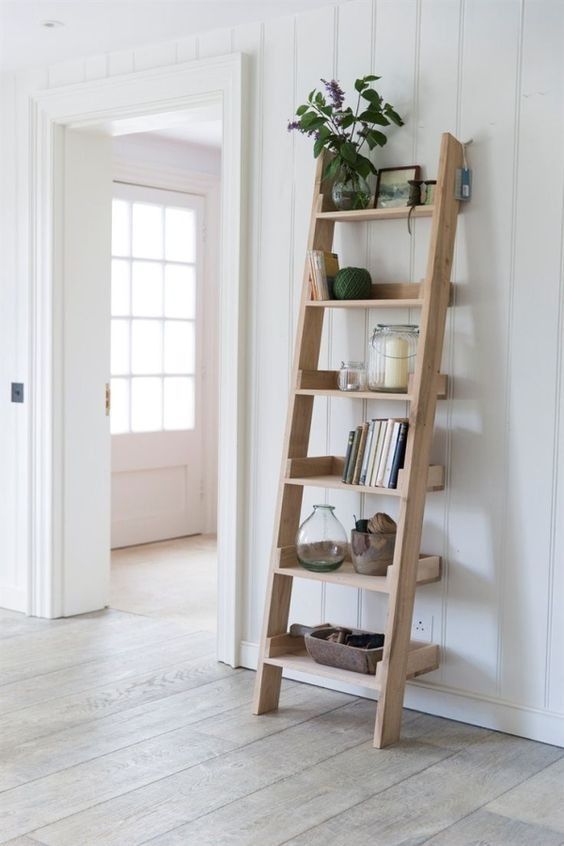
(389, 257)
(530, 424)
(67, 73)
(120, 61)
(347, 328)
(186, 49)
(446, 66)
(491, 38)
(96, 67)
(314, 46)
(437, 102)
(214, 43)
(153, 56)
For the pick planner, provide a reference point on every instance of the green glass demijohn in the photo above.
(321, 541)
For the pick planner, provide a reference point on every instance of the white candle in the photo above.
(395, 372)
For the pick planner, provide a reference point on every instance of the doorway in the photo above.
(71, 164)
(164, 355)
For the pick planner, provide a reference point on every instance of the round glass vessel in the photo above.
(392, 357)
(321, 541)
(350, 191)
(352, 376)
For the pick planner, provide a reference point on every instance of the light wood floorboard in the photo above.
(539, 800)
(446, 792)
(482, 828)
(173, 580)
(121, 730)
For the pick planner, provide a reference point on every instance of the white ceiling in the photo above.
(206, 133)
(100, 26)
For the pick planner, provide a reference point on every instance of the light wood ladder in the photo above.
(403, 658)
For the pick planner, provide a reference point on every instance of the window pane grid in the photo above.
(153, 350)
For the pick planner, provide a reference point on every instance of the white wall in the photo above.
(491, 70)
(150, 148)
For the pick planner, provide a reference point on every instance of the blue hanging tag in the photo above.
(463, 184)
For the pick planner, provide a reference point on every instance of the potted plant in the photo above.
(345, 133)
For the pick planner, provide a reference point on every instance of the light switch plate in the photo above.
(17, 392)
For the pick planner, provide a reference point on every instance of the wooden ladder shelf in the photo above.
(402, 658)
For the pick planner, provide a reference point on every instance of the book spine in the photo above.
(322, 275)
(384, 455)
(367, 452)
(348, 454)
(391, 453)
(354, 453)
(371, 478)
(399, 455)
(360, 456)
(313, 275)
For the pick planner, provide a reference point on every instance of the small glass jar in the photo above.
(352, 376)
(321, 542)
(392, 357)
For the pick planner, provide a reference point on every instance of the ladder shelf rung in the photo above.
(428, 570)
(326, 471)
(323, 383)
(357, 215)
(384, 295)
(422, 658)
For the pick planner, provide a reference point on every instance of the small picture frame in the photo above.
(392, 186)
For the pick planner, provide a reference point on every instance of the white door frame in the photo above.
(99, 105)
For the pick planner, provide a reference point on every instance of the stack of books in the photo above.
(376, 452)
(323, 267)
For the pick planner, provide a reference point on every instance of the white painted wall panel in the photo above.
(488, 70)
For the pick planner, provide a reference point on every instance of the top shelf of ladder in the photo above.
(375, 214)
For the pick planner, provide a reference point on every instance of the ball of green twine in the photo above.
(352, 283)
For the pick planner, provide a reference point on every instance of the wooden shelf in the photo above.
(326, 472)
(323, 383)
(428, 571)
(422, 658)
(399, 303)
(375, 214)
(384, 295)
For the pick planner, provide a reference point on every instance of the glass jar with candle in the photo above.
(352, 376)
(392, 357)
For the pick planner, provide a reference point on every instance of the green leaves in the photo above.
(341, 130)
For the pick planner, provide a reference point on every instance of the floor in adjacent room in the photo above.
(171, 580)
(121, 728)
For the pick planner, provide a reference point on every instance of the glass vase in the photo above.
(321, 541)
(350, 191)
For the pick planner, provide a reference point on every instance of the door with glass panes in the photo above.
(156, 315)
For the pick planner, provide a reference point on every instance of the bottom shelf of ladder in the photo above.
(422, 658)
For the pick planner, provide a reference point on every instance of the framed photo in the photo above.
(392, 186)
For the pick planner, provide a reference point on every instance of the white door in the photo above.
(82, 337)
(156, 352)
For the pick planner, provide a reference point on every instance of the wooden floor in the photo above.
(121, 729)
(172, 580)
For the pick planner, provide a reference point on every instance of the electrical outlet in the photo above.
(422, 627)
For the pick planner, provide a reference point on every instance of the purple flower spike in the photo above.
(294, 124)
(335, 92)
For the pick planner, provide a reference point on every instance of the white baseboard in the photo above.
(13, 598)
(465, 707)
